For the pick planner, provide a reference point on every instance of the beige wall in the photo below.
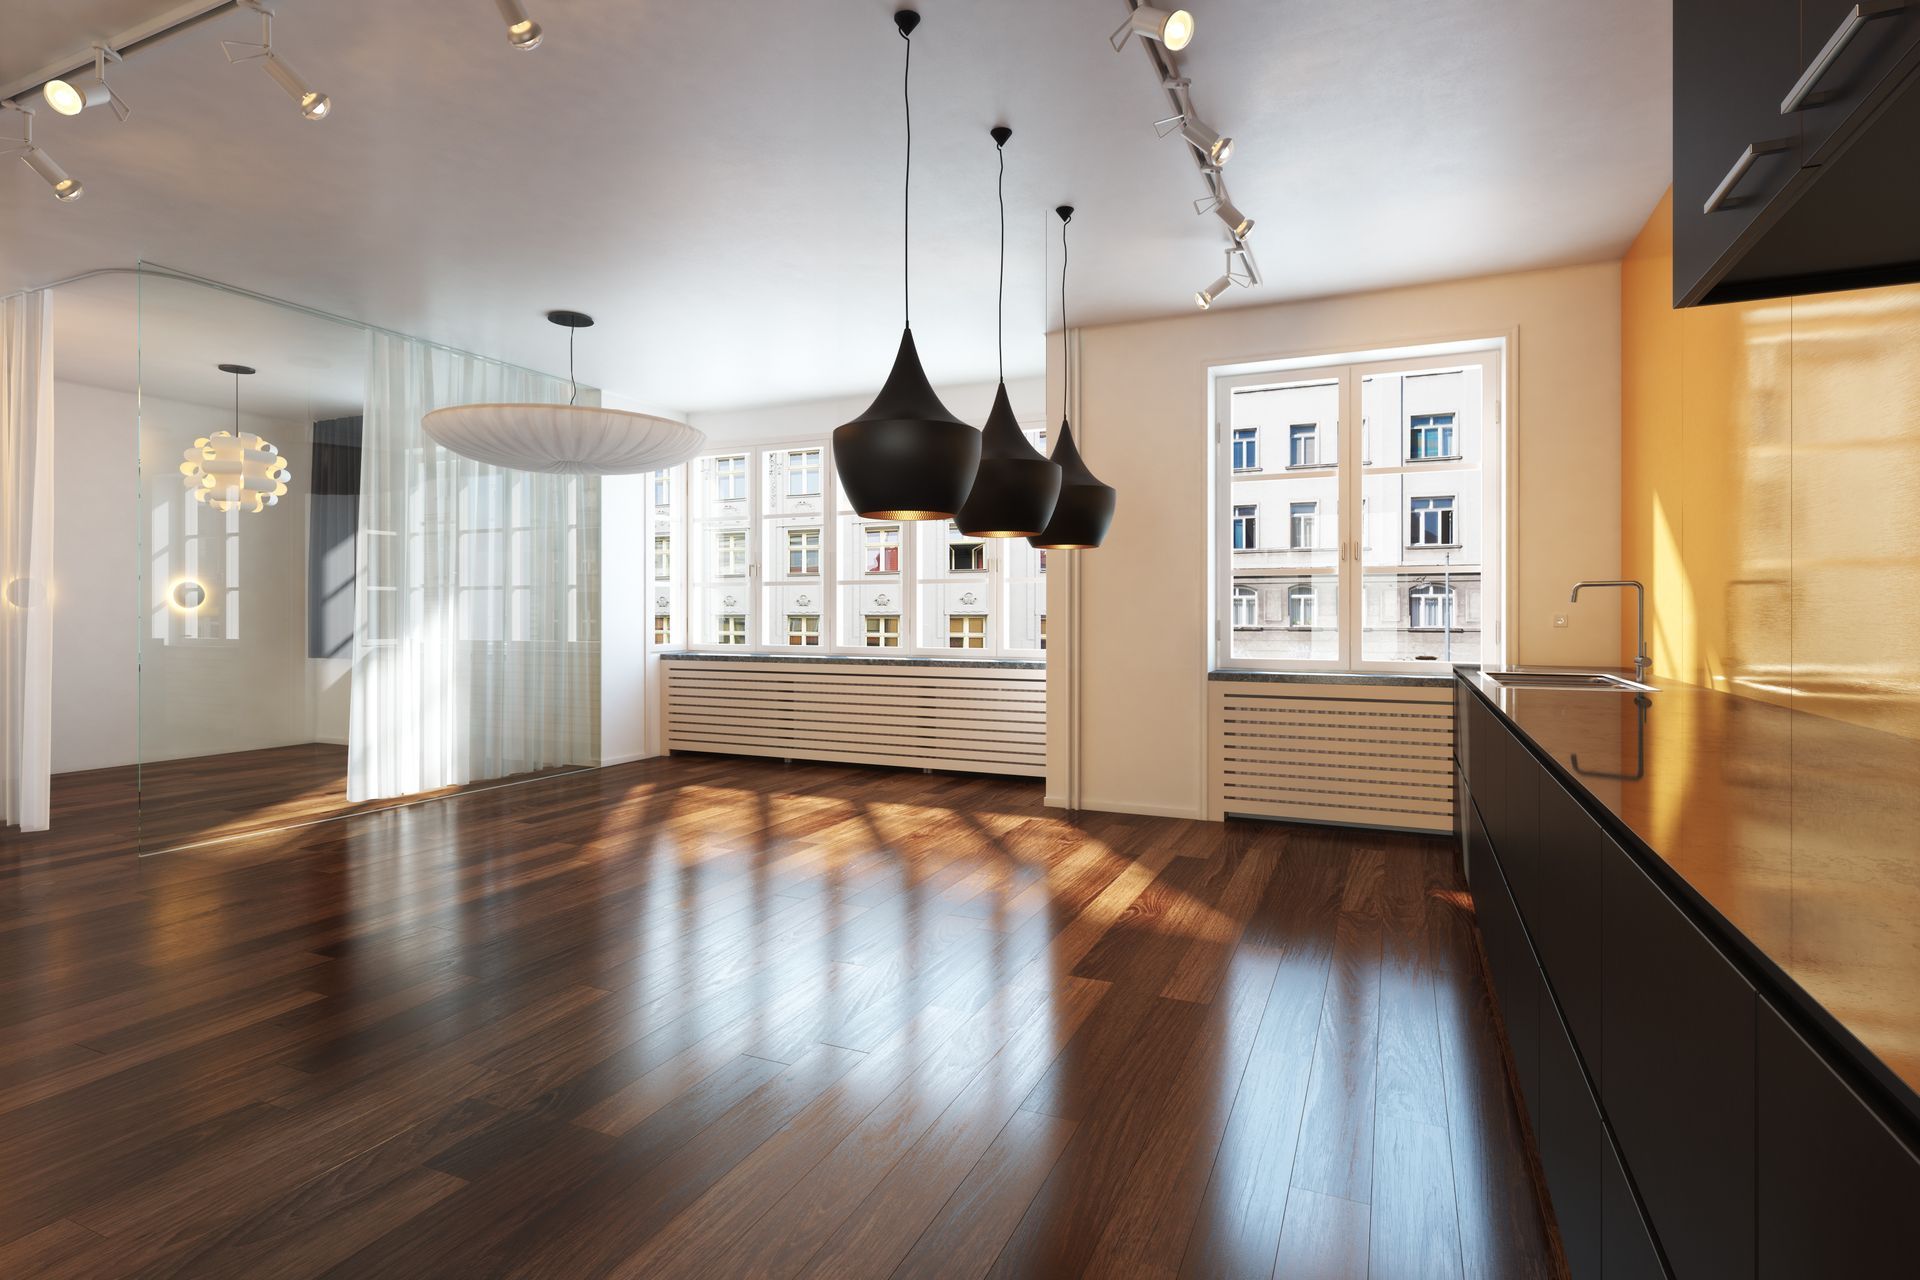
(1127, 697)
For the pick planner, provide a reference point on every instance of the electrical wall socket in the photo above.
(1559, 619)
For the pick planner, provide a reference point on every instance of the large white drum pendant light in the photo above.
(236, 468)
(566, 439)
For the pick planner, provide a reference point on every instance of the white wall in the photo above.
(1127, 701)
(193, 697)
(967, 401)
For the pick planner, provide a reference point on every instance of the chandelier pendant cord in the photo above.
(906, 193)
(570, 378)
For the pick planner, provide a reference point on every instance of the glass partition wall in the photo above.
(367, 618)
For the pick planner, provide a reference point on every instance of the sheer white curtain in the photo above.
(476, 596)
(26, 558)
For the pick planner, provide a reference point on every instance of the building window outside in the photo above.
(1303, 444)
(730, 478)
(1301, 517)
(663, 628)
(1430, 607)
(803, 552)
(1246, 528)
(662, 557)
(883, 548)
(730, 553)
(966, 631)
(803, 472)
(803, 628)
(733, 628)
(1043, 631)
(1246, 449)
(1246, 608)
(1303, 606)
(1429, 436)
(1430, 522)
(965, 557)
(883, 631)
(662, 488)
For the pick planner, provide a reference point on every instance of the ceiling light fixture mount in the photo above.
(313, 104)
(523, 33)
(70, 95)
(1016, 486)
(65, 189)
(563, 439)
(1085, 510)
(907, 457)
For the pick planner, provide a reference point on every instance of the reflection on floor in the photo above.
(711, 1017)
(184, 802)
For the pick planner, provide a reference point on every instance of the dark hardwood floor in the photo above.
(714, 1017)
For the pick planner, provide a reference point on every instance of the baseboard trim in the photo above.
(1191, 812)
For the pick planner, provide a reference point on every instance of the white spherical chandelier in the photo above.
(229, 470)
(566, 439)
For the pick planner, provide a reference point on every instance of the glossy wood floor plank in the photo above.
(704, 1016)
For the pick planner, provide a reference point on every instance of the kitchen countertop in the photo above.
(1799, 833)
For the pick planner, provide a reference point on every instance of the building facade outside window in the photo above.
(662, 488)
(663, 628)
(662, 557)
(803, 552)
(803, 472)
(733, 628)
(803, 628)
(730, 552)
(1391, 554)
(883, 548)
(964, 556)
(883, 631)
(966, 631)
(730, 477)
(1246, 449)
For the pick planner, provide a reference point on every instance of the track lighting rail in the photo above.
(164, 26)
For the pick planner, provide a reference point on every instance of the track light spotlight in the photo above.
(65, 189)
(1173, 28)
(313, 104)
(1214, 147)
(1238, 223)
(522, 32)
(1205, 297)
(1244, 278)
(72, 96)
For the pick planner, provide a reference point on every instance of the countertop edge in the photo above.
(839, 659)
(1406, 679)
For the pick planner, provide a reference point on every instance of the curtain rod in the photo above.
(187, 277)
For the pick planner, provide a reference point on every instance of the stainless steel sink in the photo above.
(1569, 680)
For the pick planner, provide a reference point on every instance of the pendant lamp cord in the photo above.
(1000, 316)
(571, 332)
(1066, 349)
(906, 187)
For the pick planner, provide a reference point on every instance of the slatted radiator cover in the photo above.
(970, 719)
(1365, 755)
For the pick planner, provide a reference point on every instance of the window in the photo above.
(1246, 449)
(1302, 606)
(1246, 608)
(803, 552)
(1245, 528)
(966, 557)
(1430, 435)
(1303, 444)
(883, 548)
(967, 631)
(1043, 631)
(662, 556)
(1430, 523)
(803, 472)
(1300, 524)
(1430, 606)
(730, 553)
(730, 478)
(803, 628)
(883, 631)
(663, 628)
(1383, 553)
(733, 628)
(662, 488)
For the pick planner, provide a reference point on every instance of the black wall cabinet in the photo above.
(1685, 1127)
(1793, 138)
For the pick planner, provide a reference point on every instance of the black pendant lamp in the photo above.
(1017, 485)
(1085, 510)
(906, 457)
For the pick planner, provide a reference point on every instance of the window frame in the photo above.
(1492, 354)
(1451, 427)
(1312, 437)
(1250, 437)
(1250, 596)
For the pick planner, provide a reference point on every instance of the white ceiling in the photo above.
(719, 182)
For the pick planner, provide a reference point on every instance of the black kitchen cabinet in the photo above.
(1793, 135)
(1518, 844)
(1573, 1146)
(1838, 1193)
(1565, 919)
(1677, 1082)
(1627, 1248)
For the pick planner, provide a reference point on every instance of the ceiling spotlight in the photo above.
(1213, 146)
(313, 104)
(1205, 297)
(1238, 223)
(72, 96)
(1244, 277)
(522, 32)
(1171, 27)
(65, 189)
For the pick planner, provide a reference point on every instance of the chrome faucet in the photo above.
(1640, 659)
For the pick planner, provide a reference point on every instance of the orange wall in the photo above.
(1770, 490)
